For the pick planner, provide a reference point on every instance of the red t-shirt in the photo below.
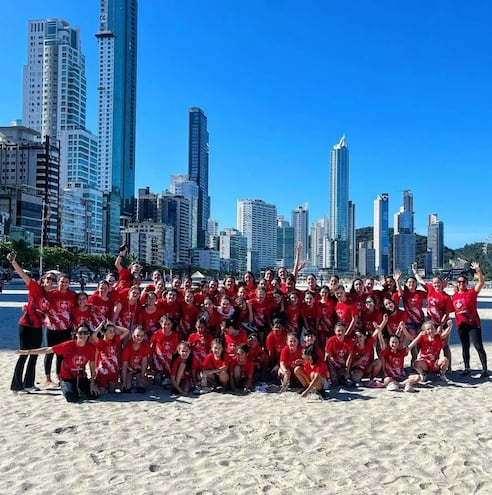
(60, 308)
(149, 321)
(134, 356)
(79, 316)
(327, 316)
(101, 309)
(438, 304)
(274, 344)
(320, 367)
(413, 303)
(178, 361)
(365, 354)
(75, 358)
(429, 350)
(465, 307)
(211, 363)
(36, 305)
(291, 359)
(107, 355)
(128, 316)
(232, 341)
(247, 368)
(345, 311)
(393, 363)
(339, 350)
(201, 344)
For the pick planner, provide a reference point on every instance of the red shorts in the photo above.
(104, 380)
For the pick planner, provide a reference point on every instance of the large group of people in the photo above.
(242, 334)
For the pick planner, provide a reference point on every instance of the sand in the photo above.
(365, 441)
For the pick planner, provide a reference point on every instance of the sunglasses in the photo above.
(369, 302)
(461, 281)
(83, 332)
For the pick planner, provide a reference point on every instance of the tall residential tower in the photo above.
(404, 239)
(381, 234)
(338, 257)
(198, 152)
(117, 38)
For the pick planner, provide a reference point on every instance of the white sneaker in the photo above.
(409, 388)
(393, 387)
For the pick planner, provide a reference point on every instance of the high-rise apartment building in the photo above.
(181, 185)
(54, 103)
(198, 163)
(54, 86)
(319, 237)
(285, 243)
(435, 240)
(404, 239)
(233, 248)
(338, 257)
(117, 39)
(300, 222)
(257, 221)
(29, 182)
(381, 234)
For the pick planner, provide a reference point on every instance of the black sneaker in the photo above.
(484, 374)
(465, 372)
(324, 394)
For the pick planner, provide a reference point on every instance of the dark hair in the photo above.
(220, 341)
(243, 347)
(310, 351)
(189, 359)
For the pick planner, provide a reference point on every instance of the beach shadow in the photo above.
(346, 395)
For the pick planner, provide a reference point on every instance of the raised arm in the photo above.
(122, 252)
(417, 275)
(22, 274)
(481, 281)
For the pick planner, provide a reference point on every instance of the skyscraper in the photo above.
(117, 39)
(435, 240)
(198, 153)
(54, 85)
(404, 239)
(319, 236)
(338, 257)
(300, 222)
(257, 221)
(285, 243)
(54, 104)
(381, 233)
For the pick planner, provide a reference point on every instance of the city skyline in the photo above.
(413, 101)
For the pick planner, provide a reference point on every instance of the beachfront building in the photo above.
(319, 237)
(29, 182)
(435, 240)
(366, 259)
(381, 234)
(182, 185)
(117, 87)
(338, 247)
(233, 249)
(198, 163)
(300, 222)
(54, 103)
(257, 221)
(404, 239)
(285, 244)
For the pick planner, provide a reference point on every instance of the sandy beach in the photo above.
(361, 441)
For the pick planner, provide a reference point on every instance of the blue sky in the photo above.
(408, 83)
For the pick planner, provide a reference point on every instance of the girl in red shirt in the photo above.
(241, 370)
(163, 344)
(215, 367)
(184, 369)
(290, 358)
(134, 361)
(313, 374)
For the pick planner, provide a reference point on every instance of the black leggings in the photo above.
(55, 337)
(76, 389)
(29, 338)
(466, 331)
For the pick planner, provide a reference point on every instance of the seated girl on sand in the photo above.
(313, 374)
(290, 357)
(394, 356)
(215, 367)
(430, 345)
(184, 369)
(338, 355)
(134, 361)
